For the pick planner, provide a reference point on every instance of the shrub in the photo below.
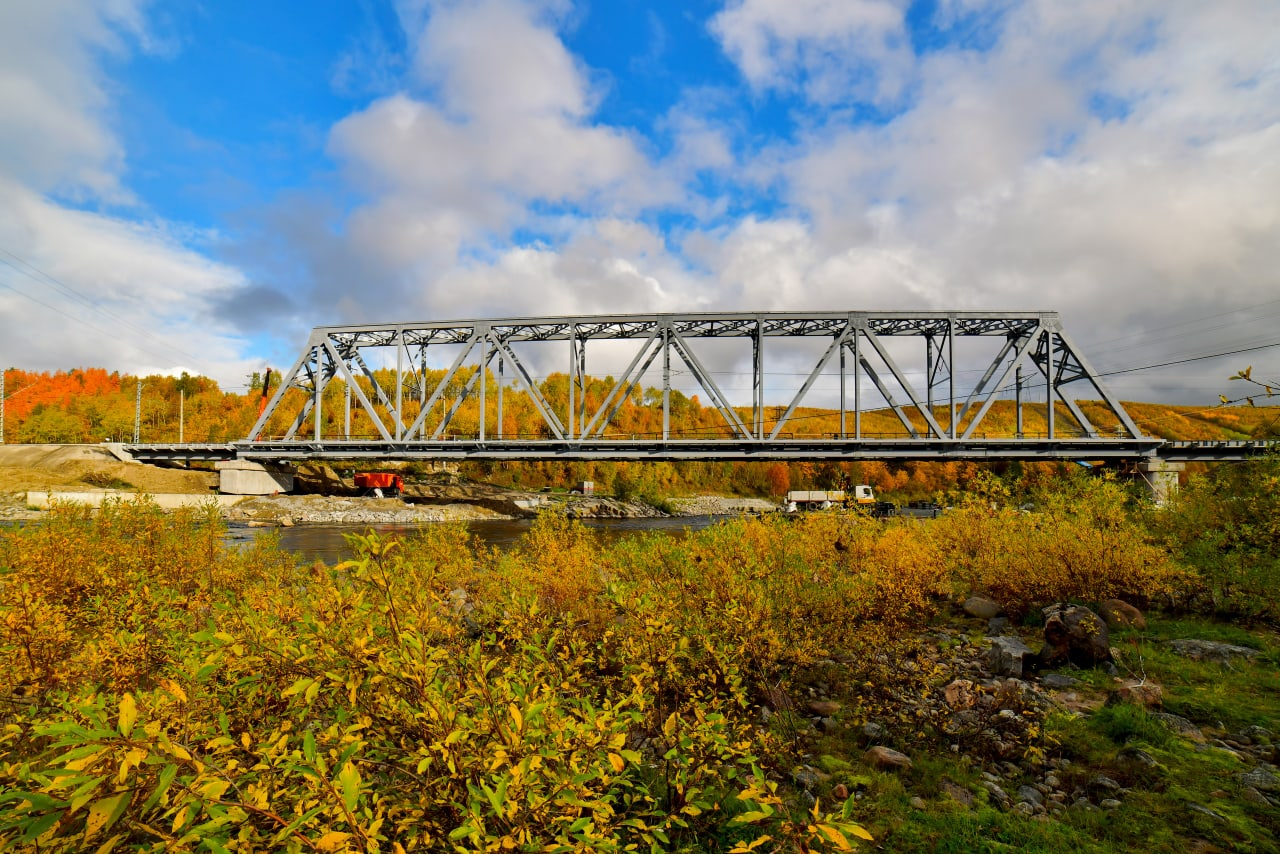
(1081, 543)
(1226, 526)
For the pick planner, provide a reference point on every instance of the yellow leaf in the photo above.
(110, 844)
(106, 812)
(174, 689)
(516, 716)
(214, 789)
(835, 836)
(128, 714)
(332, 841)
(617, 762)
(861, 832)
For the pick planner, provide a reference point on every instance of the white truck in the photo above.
(825, 499)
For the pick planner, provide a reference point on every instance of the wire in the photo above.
(1191, 359)
(35, 273)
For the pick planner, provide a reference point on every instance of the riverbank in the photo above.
(34, 476)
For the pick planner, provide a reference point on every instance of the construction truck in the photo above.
(862, 498)
(379, 484)
(828, 499)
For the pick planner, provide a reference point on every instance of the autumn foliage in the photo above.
(169, 692)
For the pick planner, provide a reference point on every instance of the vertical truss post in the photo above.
(399, 386)
(1050, 385)
(580, 361)
(758, 379)
(319, 392)
(666, 382)
(573, 377)
(501, 383)
(951, 376)
(842, 407)
(484, 379)
(857, 381)
(346, 410)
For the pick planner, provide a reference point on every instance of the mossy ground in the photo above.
(1158, 811)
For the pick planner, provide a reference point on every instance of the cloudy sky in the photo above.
(193, 186)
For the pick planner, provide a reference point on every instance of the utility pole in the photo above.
(137, 413)
(182, 414)
(2, 407)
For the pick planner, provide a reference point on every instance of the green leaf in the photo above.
(309, 746)
(40, 825)
(106, 812)
(167, 773)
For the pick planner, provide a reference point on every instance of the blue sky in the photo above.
(194, 185)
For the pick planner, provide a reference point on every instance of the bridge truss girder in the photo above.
(865, 349)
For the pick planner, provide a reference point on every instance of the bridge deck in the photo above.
(726, 450)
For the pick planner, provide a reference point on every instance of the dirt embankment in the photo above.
(331, 499)
(92, 467)
(86, 468)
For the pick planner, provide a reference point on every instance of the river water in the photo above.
(328, 542)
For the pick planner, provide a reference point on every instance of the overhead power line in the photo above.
(31, 271)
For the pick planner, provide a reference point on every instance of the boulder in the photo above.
(1261, 779)
(1058, 681)
(960, 694)
(1204, 650)
(824, 708)
(1119, 614)
(1181, 726)
(959, 794)
(1009, 656)
(981, 607)
(887, 759)
(1149, 695)
(1074, 634)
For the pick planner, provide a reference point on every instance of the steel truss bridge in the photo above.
(919, 366)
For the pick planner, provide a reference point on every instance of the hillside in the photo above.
(90, 405)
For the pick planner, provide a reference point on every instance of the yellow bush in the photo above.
(1079, 543)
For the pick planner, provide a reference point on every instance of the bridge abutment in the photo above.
(1161, 479)
(245, 477)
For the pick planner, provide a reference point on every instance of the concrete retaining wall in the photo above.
(166, 501)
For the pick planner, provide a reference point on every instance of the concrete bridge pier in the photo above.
(244, 477)
(1161, 478)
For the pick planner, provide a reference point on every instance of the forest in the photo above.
(94, 405)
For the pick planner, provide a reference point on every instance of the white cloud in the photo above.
(55, 133)
(126, 293)
(836, 51)
(495, 135)
(1117, 164)
(1120, 165)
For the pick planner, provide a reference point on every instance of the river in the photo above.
(328, 542)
